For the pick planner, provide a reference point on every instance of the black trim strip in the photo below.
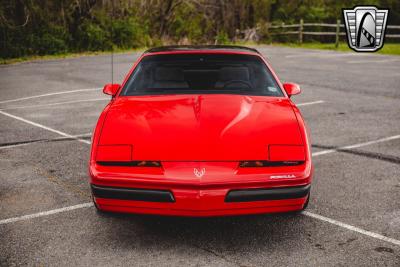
(132, 194)
(136, 163)
(248, 195)
(267, 163)
(199, 47)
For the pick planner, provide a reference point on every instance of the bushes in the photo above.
(127, 33)
(222, 38)
(44, 41)
(50, 42)
(104, 33)
(95, 33)
(39, 27)
(91, 37)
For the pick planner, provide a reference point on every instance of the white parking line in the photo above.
(44, 127)
(328, 151)
(29, 143)
(45, 213)
(57, 103)
(352, 228)
(306, 213)
(49, 94)
(310, 103)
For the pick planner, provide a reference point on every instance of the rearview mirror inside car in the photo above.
(111, 89)
(292, 89)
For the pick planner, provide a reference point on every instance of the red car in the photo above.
(201, 131)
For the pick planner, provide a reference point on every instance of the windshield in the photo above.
(201, 74)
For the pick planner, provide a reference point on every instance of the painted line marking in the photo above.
(310, 103)
(45, 213)
(44, 127)
(352, 228)
(329, 151)
(57, 103)
(49, 94)
(84, 135)
(43, 141)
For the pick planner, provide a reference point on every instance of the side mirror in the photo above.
(292, 89)
(111, 89)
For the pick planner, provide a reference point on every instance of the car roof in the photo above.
(201, 47)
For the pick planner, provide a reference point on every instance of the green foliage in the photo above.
(49, 44)
(127, 33)
(222, 38)
(314, 14)
(44, 27)
(192, 29)
(46, 41)
(92, 37)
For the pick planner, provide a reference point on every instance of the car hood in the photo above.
(200, 127)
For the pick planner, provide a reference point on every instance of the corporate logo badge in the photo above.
(365, 27)
(199, 173)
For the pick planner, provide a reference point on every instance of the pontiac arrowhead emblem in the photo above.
(199, 173)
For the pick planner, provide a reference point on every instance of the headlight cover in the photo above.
(286, 153)
(108, 153)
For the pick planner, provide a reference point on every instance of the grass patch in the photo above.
(66, 55)
(388, 48)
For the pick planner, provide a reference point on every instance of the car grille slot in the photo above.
(148, 195)
(248, 195)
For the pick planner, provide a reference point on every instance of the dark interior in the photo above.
(202, 73)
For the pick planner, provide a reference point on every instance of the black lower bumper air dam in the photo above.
(132, 194)
(248, 195)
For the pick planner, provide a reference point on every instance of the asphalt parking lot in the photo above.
(351, 103)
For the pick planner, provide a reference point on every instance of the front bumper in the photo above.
(200, 202)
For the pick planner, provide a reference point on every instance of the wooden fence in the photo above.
(339, 30)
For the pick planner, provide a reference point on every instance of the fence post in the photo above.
(301, 31)
(337, 33)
